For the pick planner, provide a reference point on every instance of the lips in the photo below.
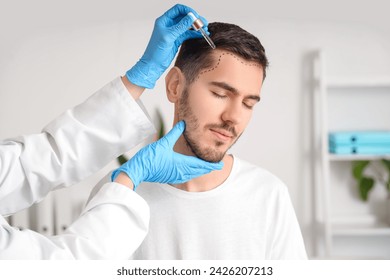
(222, 134)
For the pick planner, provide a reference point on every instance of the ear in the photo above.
(174, 83)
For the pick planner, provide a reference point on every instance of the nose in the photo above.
(232, 113)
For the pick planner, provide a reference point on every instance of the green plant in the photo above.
(366, 183)
(161, 129)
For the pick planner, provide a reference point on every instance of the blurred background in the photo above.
(329, 70)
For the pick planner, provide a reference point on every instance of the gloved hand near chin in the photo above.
(158, 162)
(170, 31)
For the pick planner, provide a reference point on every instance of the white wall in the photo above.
(61, 55)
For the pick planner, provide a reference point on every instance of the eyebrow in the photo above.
(234, 90)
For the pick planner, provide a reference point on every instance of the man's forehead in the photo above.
(225, 57)
(232, 69)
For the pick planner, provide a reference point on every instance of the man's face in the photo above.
(218, 105)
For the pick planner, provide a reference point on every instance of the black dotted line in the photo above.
(219, 61)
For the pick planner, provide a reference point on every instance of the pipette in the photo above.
(197, 25)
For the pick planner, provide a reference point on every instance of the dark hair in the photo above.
(195, 54)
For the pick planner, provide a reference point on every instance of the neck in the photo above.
(208, 181)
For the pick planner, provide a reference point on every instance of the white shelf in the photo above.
(379, 229)
(340, 92)
(336, 157)
(358, 83)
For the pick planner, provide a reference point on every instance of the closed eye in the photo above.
(218, 95)
(249, 104)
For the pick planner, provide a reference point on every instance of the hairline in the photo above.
(211, 54)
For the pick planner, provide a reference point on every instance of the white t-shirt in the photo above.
(249, 216)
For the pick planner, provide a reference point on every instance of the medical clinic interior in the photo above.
(322, 125)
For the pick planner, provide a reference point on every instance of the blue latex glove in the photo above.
(170, 31)
(158, 162)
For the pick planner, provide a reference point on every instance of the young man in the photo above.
(241, 211)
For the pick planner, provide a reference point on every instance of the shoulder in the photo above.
(251, 175)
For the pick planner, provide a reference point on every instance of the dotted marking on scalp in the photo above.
(219, 60)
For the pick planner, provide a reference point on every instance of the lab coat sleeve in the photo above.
(112, 226)
(72, 147)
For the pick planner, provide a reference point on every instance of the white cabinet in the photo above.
(345, 226)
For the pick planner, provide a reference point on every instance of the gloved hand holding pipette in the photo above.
(158, 162)
(170, 31)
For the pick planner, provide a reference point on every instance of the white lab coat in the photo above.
(69, 149)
